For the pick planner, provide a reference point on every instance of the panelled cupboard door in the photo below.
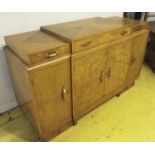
(53, 97)
(88, 79)
(117, 65)
(137, 55)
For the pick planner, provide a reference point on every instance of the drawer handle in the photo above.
(101, 76)
(64, 93)
(86, 44)
(51, 55)
(137, 28)
(123, 33)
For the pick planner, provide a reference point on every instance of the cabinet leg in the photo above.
(40, 140)
(118, 95)
(74, 122)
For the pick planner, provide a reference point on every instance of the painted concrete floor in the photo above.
(130, 117)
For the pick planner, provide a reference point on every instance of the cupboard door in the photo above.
(88, 80)
(117, 65)
(137, 56)
(53, 97)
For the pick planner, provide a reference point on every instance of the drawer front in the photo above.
(49, 55)
(104, 38)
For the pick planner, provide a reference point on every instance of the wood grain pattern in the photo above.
(39, 91)
(81, 29)
(99, 73)
(54, 105)
(87, 33)
(88, 79)
(23, 88)
(96, 60)
(117, 65)
(34, 47)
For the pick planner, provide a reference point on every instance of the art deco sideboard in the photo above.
(61, 72)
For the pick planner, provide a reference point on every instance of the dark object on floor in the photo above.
(150, 57)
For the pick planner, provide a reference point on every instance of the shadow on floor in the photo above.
(18, 130)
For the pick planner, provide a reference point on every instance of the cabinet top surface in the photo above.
(80, 29)
(32, 42)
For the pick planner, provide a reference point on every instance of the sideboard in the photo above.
(63, 71)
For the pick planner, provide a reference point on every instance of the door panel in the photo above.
(88, 79)
(117, 65)
(52, 90)
(137, 56)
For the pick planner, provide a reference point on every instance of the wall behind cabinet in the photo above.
(12, 23)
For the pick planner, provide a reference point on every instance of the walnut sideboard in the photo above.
(61, 72)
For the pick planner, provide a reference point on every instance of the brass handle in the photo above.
(108, 74)
(86, 44)
(133, 59)
(123, 33)
(137, 28)
(101, 76)
(64, 93)
(51, 55)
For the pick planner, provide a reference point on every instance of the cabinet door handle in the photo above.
(51, 55)
(108, 74)
(132, 61)
(64, 93)
(101, 76)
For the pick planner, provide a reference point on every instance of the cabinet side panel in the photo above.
(22, 87)
(137, 56)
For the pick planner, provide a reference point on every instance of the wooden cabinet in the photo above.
(63, 71)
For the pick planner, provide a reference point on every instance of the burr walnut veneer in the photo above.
(61, 72)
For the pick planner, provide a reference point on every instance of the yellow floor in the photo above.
(130, 117)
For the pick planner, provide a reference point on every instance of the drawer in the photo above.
(36, 47)
(49, 55)
(104, 38)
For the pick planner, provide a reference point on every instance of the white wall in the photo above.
(12, 23)
(151, 18)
